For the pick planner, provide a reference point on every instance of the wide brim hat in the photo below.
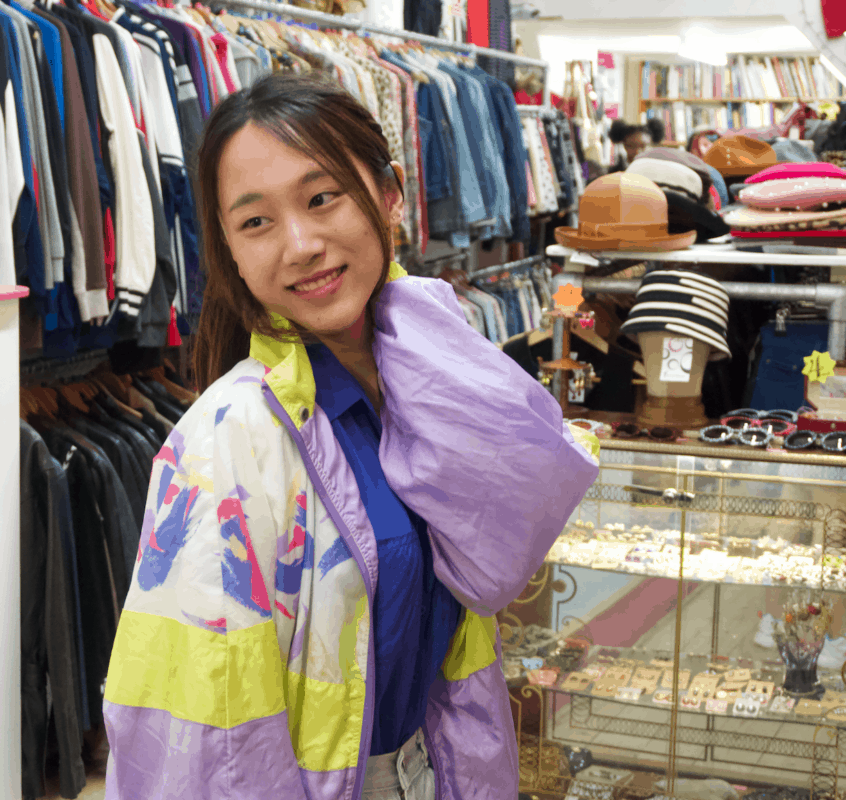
(746, 218)
(815, 169)
(682, 304)
(740, 156)
(794, 194)
(669, 175)
(685, 214)
(688, 160)
(623, 212)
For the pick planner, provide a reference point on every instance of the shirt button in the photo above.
(304, 414)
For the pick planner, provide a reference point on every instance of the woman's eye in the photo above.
(252, 222)
(322, 199)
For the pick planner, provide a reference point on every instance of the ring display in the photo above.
(755, 437)
(750, 413)
(718, 434)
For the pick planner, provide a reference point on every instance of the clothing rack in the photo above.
(510, 266)
(332, 21)
(39, 370)
(544, 112)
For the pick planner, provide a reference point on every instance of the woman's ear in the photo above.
(394, 195)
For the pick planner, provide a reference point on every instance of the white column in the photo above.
(10, 563)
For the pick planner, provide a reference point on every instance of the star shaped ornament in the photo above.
(819, 367)
(568, 298)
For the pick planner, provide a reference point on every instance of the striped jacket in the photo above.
(243, 665)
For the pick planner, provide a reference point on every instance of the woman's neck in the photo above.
(354, 350)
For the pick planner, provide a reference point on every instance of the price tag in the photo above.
(676, 360)
(819, 367)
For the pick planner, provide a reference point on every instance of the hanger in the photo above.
(117, 386)
(179, 392)
(456, 277)
(123, 406)
(45, 400)
(71, 395)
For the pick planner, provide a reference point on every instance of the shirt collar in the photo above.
(337, 391)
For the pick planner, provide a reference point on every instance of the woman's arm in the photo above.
(195, 701)
(473, 444)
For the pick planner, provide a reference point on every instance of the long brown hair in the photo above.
(321, 120)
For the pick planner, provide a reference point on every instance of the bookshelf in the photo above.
(751, 91)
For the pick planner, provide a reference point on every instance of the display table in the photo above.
(695, 569)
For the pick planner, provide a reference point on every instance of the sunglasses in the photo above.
(660, 433)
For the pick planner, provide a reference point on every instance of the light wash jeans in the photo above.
(402, 775)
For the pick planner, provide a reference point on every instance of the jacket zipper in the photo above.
(367, 722)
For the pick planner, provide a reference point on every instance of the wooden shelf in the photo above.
(724, 100)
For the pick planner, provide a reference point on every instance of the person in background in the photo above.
(634, 139)
(656, 129)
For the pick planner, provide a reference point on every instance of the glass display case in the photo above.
(715, 576)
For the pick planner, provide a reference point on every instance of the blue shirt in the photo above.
(414, 615)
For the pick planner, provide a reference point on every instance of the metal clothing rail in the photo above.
(331, 21)
(52, 370)
(545, 112)
(511, 266)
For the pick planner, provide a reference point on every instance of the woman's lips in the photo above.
(323, 284)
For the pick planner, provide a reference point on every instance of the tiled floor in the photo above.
(737, 628)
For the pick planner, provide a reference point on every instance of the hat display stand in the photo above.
(677, 404)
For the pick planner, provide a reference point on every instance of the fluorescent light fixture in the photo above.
(699, 44)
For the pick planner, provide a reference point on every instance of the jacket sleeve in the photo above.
(195, 701)
(473, 445)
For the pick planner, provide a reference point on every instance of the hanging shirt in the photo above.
(414, 615)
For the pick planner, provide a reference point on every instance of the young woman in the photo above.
(331, 528)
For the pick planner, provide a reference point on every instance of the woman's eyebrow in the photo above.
(252, 197)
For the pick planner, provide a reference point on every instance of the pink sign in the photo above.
(606, 60)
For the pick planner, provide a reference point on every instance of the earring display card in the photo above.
(738, 675)
(575, 682)
(689, 702)
(596, 671)
(630, 693)
(542, 677)
(745, 708)
(729, 695)
(810, 708)
(605, 688)
(676, 360)
(714, 706)
(782, 705)
(667, 679)
(646, 679)
(619, 674)
(662, 697)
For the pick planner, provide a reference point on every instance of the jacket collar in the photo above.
(288, 370)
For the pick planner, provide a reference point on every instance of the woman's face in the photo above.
(636, 143)
(304, 247)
